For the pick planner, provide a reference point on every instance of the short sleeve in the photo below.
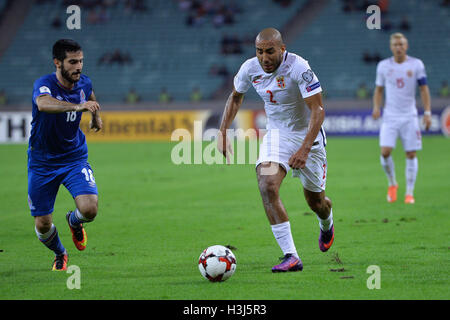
(421, 75)
(88, 88)
(308, 83)
(41, 87)
(242, 80)
(379, 81)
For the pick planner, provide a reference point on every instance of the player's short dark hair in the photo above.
(62, 46)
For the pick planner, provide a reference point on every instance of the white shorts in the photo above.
(279, 146)
(406, 128)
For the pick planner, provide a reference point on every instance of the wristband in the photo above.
(427, 113)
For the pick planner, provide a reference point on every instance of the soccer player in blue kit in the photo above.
(57, 152)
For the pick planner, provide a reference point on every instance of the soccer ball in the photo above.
(217, 263)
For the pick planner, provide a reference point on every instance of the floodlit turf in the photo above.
(155, 218)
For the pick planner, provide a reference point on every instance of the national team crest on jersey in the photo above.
(82, 96)
(280, 82)
(409, 73)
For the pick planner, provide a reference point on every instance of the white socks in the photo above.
(283, 235)
(326, 224)
(389, 169)
(412, 166)
(45, 236)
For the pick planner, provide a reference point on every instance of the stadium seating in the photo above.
(335, 42)
(167, 53)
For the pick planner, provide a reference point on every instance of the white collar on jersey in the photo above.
(407, 58)
(279, 67)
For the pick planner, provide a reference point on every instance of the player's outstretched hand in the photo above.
(224, 145)
(91, 106)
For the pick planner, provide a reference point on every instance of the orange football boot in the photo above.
(392, 193)
(60, 263)
(409, 199)
(79, 235)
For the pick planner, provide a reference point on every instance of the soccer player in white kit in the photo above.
(400, 75)
(295, 138)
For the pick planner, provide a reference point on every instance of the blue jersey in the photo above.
(56, 138)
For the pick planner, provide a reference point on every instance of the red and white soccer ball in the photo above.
(217, 263)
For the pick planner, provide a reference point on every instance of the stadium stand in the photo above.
(336, 52)
(3, 4)
(164, 51)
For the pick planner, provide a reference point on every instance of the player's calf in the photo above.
(48, 234)
(321, 205)
(318, 203)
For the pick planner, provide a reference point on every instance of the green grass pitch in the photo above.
(155, 218)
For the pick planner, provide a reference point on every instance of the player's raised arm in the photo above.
(377, 100)
(47, 103)
(232, 106)
(314, 103)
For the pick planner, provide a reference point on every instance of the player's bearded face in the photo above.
(269, 55)
(72, 66)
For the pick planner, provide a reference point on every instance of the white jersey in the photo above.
(281, 91)
(400, 81)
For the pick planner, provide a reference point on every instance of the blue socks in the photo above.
(51, 240)
(76, 218)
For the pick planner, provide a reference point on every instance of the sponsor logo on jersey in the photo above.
(313, 86)
(255, 79)
(280, 82)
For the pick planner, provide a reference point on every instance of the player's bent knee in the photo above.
(43, 223)
(386, 152)
(410, 154)
(88, 206)
(89, 211)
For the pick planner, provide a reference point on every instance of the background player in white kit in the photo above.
(400, 75)
(295, 137)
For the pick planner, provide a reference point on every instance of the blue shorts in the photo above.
(44, 182)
